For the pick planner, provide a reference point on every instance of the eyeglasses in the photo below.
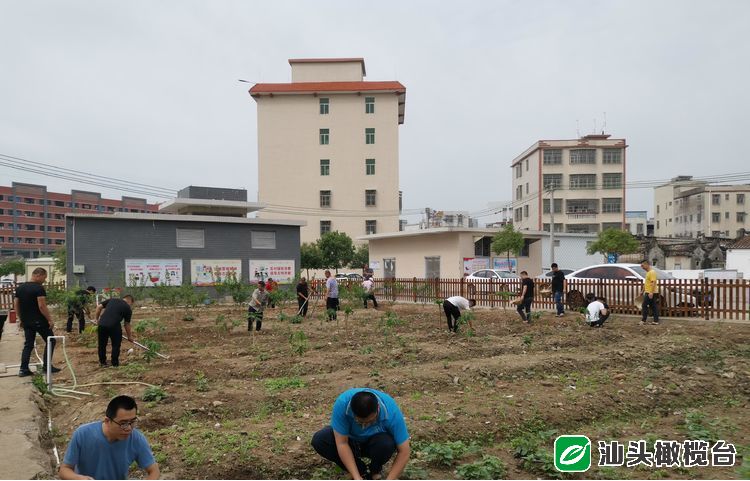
(126, 424)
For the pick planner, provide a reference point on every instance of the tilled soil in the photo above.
(244, 405)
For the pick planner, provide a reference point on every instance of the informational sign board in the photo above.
(282, 271)
(153, 272)
(374, 265)
(209, 272)
(502, 264)
(473, 264)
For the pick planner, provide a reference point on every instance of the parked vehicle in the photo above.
(629, 275)
(547, 276)
(351, 276)
(486, 280)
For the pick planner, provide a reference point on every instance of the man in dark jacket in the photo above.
(30, 303)
(558, 287)
(109, 315)
(78, 306)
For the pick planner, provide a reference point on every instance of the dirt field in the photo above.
(245, 406)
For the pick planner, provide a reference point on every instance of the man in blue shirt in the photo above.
(365, 423)
(106, 449)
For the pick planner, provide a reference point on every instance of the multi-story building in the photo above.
(328, 148)
(580, 182)
(32, 220)
(636, 222)
(689, 208)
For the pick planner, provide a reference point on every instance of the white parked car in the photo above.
(625, 288)
(547, 276)
(484, 280)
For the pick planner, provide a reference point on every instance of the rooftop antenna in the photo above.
(604, 127)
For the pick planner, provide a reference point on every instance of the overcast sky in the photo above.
(147, 91)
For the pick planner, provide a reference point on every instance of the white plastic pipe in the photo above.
(49, 359)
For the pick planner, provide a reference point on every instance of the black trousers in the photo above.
(332, 305)
(452, 313)
(371, 296)
(378, 448)
(30, 330)
(525, 305)
(115, 335)
(302, 307)
(254, 315)
(601, 320)
(76, 311)
(649, 302)
(3, 317)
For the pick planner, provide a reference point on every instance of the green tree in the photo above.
(61, 260)
(336, 249)
(310, 257)
(361, 257)
(508, 240)
(614, 241)
(16, 267)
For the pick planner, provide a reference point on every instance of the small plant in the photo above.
(296, 319)
(447, 453)
(132, 370)
(221, 323)
(527, 446)
(527, 340)
(39, 383)
(414, 471)
(152, 347)
(389, 320)
(281, 383)
(366, 350)
(696, 427)
(298, 341)
(188, 318)
(489, 467)
(201, 382)
(465, 319)
(536, 315)
(154, 393)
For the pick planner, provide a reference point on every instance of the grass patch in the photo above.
(489, 467)
(281, 383)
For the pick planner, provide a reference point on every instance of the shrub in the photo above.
(201, 382)
(447, 453)
(298, 341)
(154, 393)
(489, 467)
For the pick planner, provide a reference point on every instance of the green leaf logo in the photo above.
(567, 456)
(572, 453)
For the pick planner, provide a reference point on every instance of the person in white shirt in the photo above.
(452, 307)
(369, 285)
(597, 311)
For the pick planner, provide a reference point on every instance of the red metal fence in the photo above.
(698, 298)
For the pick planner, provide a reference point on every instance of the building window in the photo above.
(324, 136)
(370, 198)
(726, 196)
(369, 166)
(740, 217)
(552, 181)
(325, 198)
(658, 224)
(553, 157)
(583, 156)
(639, 229)
(369, 105)
(612, 181)
(519, 214)
(263, 240)
(519, 170)
(371, 227)
(369, 136)
(715, 199)
(325, 167)
(612, 225)
(715, 217)
(519, 192)
(558, 206)
(526, 211)
(612, 156)
(323, 106)
(612, 205)
(583, 181)
(715, 233)
(432, 267)
(740, 198)
(657, 208)
(191, 238)
(726, 215)
(527, 188)
(325, 226)
(527, 165)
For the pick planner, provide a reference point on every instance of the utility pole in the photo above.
(552, 224)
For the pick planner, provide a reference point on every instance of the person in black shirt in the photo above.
(30, 302)
(558, 287)
(527, 295)
(303, 292)
(109, 315)
(78, 306)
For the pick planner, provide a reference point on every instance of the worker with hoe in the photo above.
(258, 303)
(78, 305)
(365, 423)
(109, 315)
(106, 449)
(30, 302)
(525, 298)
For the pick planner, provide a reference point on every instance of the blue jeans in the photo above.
(559, 302)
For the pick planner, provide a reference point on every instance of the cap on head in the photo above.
(91, 289)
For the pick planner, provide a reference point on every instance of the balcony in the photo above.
(582, 214)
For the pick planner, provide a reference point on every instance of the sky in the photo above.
(148, 91)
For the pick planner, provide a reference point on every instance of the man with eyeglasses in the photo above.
(365, 423)
(106, 449)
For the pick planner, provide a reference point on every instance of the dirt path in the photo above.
(21, 454)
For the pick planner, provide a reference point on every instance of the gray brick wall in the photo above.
(102, 245)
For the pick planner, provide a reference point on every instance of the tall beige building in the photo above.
(328, 148)
(685, 207)
(587, 180)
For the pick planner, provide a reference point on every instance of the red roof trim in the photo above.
(306, 87)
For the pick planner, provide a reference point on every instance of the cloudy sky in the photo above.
(148, 91)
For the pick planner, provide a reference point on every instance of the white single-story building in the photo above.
(452, 252)
(738, 256)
